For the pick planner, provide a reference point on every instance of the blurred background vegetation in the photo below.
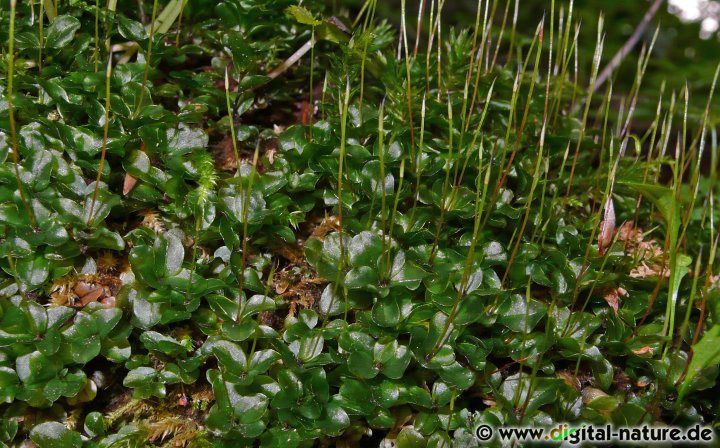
(687, 47)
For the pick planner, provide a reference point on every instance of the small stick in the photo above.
(289, 62)
(629, 45)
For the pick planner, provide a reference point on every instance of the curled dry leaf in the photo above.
(271, 155)
(612, 297)
(643, 350)
(607, 227)
(130, 181)
(128, 184)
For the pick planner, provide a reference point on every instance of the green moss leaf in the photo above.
(94, 425)
(55, 435)
(250, 408)
(365, 249)
(386, 311)
(61, 31)
(130, 29)
(706, 353)
(153, 340)
(410, 437)
(521, 314)
(302, 15)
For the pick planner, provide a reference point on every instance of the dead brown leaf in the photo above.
(612, 297)
(645, 271)
(643, 350)
(128, 184)
(607, 227)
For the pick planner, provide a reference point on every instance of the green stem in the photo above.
(245, 212)
(469, 260)
(179, 25)
(268, 285)
(408, 80)
(445, 202)
(11, 113)
(148, 60)
(232, 120)
(388, 263)
(381, 182)
(418, 171)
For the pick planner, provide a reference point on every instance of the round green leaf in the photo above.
(55, 435)
(61, 32)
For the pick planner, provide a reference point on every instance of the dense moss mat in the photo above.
(257, 223)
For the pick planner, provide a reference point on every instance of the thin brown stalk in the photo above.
(106, 127)
(523, 122)
(408, 87)
(179, 25)
(588, 100)
(500, 36)
(245, 217)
